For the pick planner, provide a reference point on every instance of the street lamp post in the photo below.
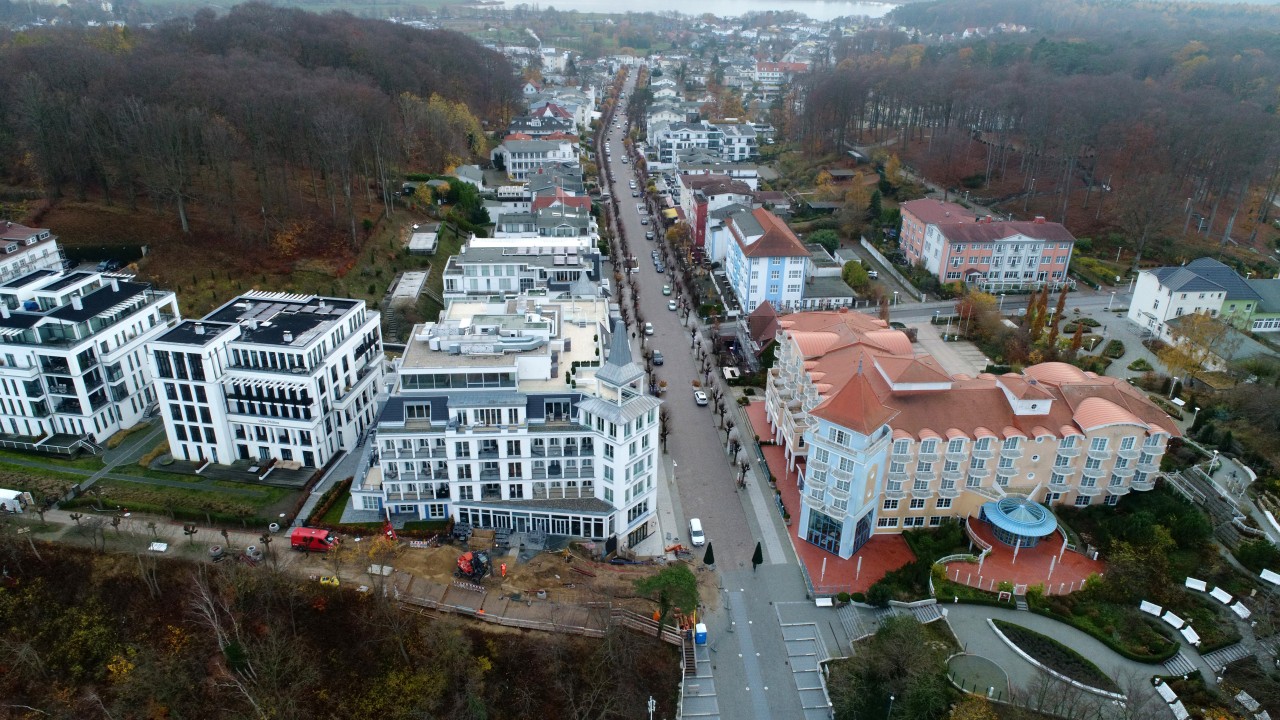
(890, 713)
(1195, 413)
(895, 298)
(1173, 384)
(1000, 308)
(1113, 299)
(652, 705)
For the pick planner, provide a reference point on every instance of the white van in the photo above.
(696, 538)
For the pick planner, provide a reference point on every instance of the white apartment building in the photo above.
(1203, 285)
(884, 440)
(739, 143)
(479, 271)
(505, 417)
(72, 356)
(521, 157)
(27, 250)
(269, 377)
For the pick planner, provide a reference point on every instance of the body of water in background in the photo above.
(816, 9)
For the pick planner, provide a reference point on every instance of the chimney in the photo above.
(252, 324)
(288, 336)
(4, 310)
(1039, 220)
(115, 285)
(323, 303)
(77, 303)
(199, 328)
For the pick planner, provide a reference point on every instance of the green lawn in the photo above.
(194, 503)
(87, 462)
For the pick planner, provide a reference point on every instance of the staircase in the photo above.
(690, 659)
(1021, 601)
(1227, 655)
(926, 613)
(852, 624)
(1179, 665)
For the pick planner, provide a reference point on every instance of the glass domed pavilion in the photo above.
(1018, 521)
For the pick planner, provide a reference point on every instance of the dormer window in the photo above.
(11, 247)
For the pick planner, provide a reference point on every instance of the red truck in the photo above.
(305, 539)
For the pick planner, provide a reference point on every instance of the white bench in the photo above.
(824, 602)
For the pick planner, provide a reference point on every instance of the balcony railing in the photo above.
(929, 457)
(921, 492)
(1150, 467)
(1073, 451)
(984, 454)
(949, 491)
(898, 477)
(1124, 472)
(1131, 453)
(1099, 454)
(957, 455)
(954, 475)
(1089, 490)
(1011, 452)
(1118, 489)
(1144, 485)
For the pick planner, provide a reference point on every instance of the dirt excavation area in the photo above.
(566, 576)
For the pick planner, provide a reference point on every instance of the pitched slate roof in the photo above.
(1223, 276)
(619, 368)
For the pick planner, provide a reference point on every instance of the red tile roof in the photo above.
(777, 240)
(855, 406)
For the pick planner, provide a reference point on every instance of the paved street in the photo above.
(706, 485)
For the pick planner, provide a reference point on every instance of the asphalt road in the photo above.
(706, 484)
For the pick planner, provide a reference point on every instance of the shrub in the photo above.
(843, 597)
(157, 451)
(880, 594)
(858, 597)
(1114, 349)
(1057, 657)
(1140, 365)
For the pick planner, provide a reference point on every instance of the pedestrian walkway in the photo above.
(969, 624)
(955, 357)
(805, 655)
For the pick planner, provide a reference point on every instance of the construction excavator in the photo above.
(472, 565)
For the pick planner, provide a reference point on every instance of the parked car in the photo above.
(873, 274)
(648, 235)
(644, 220)
(648, 328)
(657, 358)
(671, 305)
(661, 269)
(635, 193)
(700, 397)
(108, 265)
(666, 289)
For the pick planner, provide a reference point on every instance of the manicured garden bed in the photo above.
(1057, 657)
(1123, 629)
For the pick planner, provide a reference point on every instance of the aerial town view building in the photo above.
(829, 360)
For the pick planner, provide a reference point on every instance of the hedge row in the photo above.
(1106, 640)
